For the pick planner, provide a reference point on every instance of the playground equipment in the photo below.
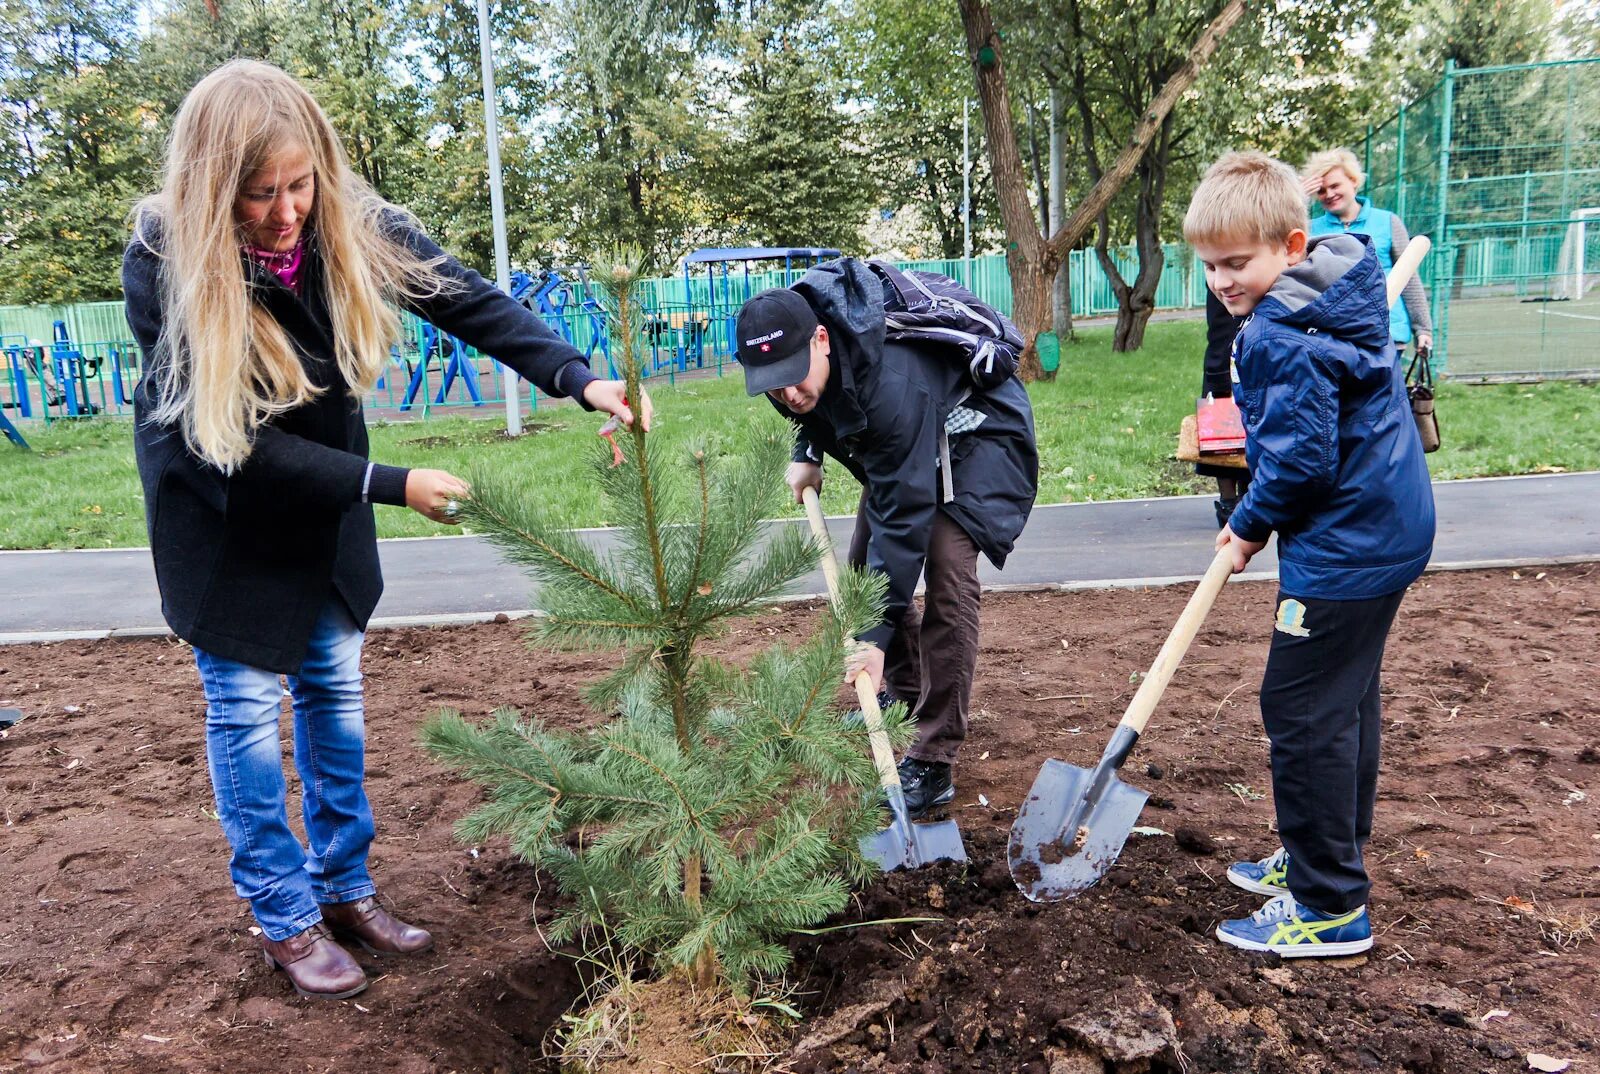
(433, 344)
(724, 296)
(71, 377)
(11, 433)
(560, 295)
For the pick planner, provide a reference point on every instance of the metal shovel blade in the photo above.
(1069, 831)
(904, 845)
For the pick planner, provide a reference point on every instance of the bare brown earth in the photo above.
(123, 949)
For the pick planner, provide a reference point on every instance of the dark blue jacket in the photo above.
(881, 415)
(1337, 464)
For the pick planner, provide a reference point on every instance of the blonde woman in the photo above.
(1333, 177)
(262, 283)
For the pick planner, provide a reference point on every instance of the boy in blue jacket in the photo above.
(1338, 473)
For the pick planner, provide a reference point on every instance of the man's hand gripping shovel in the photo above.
(902, 845)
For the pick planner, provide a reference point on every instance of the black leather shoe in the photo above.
(856, 720)
(1224, 509)
(927, 785)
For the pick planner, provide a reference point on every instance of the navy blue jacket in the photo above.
(1337, 464)
(881, 415)
(246, 561)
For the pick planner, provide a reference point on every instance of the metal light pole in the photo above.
(497, 200)
(966, 191)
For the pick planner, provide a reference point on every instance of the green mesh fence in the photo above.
(1500, 166)
(686, 327)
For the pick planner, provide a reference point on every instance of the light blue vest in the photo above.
(1379, 223)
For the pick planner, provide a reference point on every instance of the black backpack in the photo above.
(926, 307)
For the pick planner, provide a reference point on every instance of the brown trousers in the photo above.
(933, 656)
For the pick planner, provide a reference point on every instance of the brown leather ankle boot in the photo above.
(374, 928)
(315, 964)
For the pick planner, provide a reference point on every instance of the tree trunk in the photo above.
(1028, 259)
(1033, 261)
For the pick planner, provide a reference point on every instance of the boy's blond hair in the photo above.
(1249, 196)
(1324, 162)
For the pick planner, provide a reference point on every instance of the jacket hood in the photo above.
(848, 298)
(1339, 289)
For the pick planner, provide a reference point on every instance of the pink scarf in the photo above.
(285, 266)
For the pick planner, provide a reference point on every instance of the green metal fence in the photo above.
(89, 365)
(1500, 166)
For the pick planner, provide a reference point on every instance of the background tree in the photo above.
(722, 808)
(790, 170)
(909, 70)
(78, 147)
(1033, 257)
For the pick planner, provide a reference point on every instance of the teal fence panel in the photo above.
(686, 325)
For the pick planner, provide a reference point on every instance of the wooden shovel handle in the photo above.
(882, 753)
(1177, 643)
(1406, 266)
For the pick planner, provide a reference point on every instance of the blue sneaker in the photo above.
(1290, 930)
(1269, 876)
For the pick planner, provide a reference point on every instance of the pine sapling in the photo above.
(721, 809)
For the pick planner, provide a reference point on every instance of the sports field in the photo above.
(1496, 334)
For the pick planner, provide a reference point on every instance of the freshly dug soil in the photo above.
(122, 947)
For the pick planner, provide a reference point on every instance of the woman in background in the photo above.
(1333, 177)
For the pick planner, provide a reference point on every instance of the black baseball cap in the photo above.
(774, 340)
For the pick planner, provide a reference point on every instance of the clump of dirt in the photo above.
(670, 1026)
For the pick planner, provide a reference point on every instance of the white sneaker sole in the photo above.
(1300, 950)
(1255, 887)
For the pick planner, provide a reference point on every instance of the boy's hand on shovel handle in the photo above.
(864, 657)
(1238, 547)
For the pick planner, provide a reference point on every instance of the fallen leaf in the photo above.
(1145, 829)
(983, 800)
(74, 763)
(1518, 904)
(1547, 1063)
(984, 756)
(705, 589)
(1496, 1013)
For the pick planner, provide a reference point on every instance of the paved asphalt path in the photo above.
(1484, 522)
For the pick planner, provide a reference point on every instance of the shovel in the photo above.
(902, 845)
(1075, 820)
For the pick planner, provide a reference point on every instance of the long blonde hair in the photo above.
(226, 366)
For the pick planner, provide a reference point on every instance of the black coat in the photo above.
(881, 415)
(246, 561)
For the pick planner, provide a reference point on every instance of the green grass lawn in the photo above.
(1107, 428)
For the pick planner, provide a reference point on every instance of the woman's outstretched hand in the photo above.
(434, 494)
(610, 397)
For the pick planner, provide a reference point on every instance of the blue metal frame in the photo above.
(11, 433)
(713, 256)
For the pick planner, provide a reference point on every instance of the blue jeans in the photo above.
(283, 881)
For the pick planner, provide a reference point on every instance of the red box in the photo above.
(1218, 425)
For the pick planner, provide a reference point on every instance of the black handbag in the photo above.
(1419, 389)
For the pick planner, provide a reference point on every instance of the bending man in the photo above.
(948, 470)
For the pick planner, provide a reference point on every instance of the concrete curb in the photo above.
(400, 622)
